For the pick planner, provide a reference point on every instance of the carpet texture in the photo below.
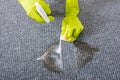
(94, 56)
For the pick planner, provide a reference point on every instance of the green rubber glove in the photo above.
(29, 7)
(71, 28)
(71, 25)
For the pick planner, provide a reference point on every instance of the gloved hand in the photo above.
(71, 28)
(71, 25)
(29, 7)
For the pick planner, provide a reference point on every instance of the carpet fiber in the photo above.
(94, 56)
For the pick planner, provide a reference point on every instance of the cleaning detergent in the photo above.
(52, 58)
(58, 50)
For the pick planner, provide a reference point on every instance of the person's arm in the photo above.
(71, 25)
(72, 7)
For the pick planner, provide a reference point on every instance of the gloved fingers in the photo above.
(51, 18)
(71, 39)
(70, 31)
(67, 35)
(68, 40)
(64, 33)
(45, 6)
(47, 9)
(63, 28)
(78, 31)
(35, 16)
(70, 34)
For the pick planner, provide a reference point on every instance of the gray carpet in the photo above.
(94, 56)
